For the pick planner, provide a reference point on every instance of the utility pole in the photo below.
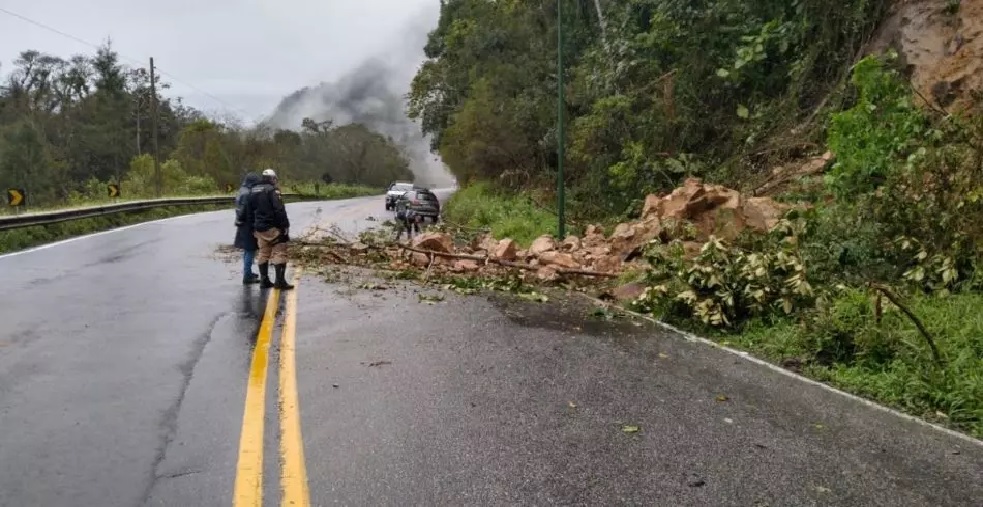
(153, 97)
(139, 150)
(560, 138)
(139, 110)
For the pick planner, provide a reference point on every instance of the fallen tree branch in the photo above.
(518, 265)
(480, 258)
(892, 297)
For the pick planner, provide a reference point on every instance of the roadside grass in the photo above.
(514, 215)
(27, 237)
(331, 192)
(888, 362)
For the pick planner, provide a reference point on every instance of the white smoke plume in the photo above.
(373, 94)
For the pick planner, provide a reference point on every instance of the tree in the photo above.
(69, 126)
(657, 88)
(26, 161)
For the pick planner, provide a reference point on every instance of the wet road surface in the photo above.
(124, 361)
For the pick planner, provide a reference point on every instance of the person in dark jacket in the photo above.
(405, 219)
(272, 230)
(245, 240)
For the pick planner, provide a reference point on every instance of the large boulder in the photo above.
(675, 205)
(461, 265)
(547, 274)
(505, 249)
(593, 240)
(628, 292)
(598, 251)
(713, 209)
(486, 243)
(571, 244)
(558, 259)
(629, 238)
(594, 229)
(420, 259)
(434, 241)
(763, 213)
(544, 243)
(608, 264)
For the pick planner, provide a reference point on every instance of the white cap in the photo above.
(269, 172)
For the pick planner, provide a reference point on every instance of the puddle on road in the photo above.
(565, 313)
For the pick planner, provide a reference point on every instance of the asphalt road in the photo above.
(125, 357)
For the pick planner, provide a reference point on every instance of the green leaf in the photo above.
(722, 72)
(743, 111)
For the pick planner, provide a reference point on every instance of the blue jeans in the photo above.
(247, 262)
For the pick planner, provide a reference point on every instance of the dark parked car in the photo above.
(424, 203)
(395, 190)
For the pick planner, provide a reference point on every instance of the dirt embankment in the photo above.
(941, 44)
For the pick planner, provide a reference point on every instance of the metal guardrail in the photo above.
(54, 217)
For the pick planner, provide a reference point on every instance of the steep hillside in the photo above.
(941, 42)
(871, 281)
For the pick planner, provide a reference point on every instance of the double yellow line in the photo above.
(293, 473)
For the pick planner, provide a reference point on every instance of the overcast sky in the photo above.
(246, 53)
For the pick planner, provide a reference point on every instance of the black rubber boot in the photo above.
(281, 277)
(250, 279)
(264, 276)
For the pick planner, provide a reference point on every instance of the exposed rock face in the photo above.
(942, 49)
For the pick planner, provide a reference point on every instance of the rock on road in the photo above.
(124, 360)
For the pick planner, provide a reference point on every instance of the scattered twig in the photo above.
(892, 297)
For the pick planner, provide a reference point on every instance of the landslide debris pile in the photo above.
(692, 214)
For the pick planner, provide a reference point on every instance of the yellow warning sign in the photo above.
(15, 196)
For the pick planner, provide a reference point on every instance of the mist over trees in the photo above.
(71, 125)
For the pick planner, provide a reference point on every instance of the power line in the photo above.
(133, 61)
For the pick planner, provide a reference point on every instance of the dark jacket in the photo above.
(244, 219)
(267, 208)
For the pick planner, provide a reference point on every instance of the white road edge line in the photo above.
(692, 338)
(94, 234)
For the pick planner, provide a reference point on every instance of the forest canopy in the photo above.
(68, 126)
